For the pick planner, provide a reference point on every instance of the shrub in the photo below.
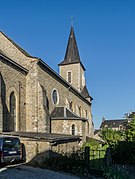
(115, 173)
(124, 153)
(93, 144)
(72, 163)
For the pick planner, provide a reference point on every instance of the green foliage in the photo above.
(124, 153)
(110, 136)
(130, 133)
(93, 144)
(115, 173)
(121, 143)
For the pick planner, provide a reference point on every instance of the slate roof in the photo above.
(113, 123)
(85, 93)
(17, 46)
(50, 137)
(72, 53)
(64, 113)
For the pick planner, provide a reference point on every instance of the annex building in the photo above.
(34, 98)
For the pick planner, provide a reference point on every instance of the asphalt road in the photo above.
(27, 172)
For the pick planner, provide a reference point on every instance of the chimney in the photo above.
(103, 119)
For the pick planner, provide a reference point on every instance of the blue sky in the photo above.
(105, 33)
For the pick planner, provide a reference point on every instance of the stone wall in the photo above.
(38, 150)
(32, 99)
(19, 56)
(48, 82)
(13, 53)
(1, 105)
(33, 115)
(65, 126)
(77, 74)
(13, 79)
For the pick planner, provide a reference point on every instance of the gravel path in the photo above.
(27, 172)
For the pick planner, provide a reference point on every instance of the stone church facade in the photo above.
(34, 98)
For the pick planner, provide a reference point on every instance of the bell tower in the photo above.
(71, 68)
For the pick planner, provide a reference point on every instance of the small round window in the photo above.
(55, 96)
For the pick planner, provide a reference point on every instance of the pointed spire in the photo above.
(72, 53)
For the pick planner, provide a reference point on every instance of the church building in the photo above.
(35, 98)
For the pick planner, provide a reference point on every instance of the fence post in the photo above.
(87, 156)
(108, 157)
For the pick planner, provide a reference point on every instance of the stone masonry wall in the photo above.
(13, 53)
(49, 83)
(65, 126)
(75, 71)
(32, 99)
(29, 88)
(38, 150)
(1, 105)
(14, 80)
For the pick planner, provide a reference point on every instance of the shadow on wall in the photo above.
(39, 159)
(7, 124)
(72, 162)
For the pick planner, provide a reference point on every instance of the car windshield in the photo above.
(11, 143)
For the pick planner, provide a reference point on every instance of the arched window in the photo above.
(73, 129)
(12, 121)
(55, 96)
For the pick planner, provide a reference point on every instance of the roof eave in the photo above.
(70, 63)
(68, 118)
(14, 63)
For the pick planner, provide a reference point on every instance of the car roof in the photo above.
(1, 137)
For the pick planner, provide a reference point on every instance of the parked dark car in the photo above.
(10, 149)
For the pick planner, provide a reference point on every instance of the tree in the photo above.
(110, 136)
(130, 133)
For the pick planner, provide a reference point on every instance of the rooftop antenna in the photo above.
(71, 18)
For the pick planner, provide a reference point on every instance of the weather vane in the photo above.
(72, 20)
